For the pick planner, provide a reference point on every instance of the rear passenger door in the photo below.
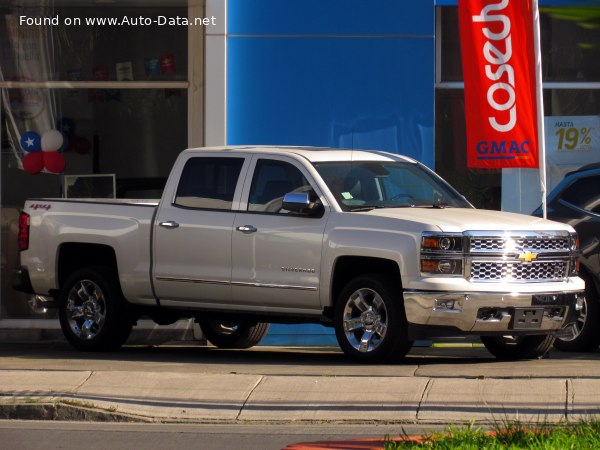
(192, 231)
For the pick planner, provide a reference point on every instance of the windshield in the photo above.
(363, 185)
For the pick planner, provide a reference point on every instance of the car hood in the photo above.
(466, 219)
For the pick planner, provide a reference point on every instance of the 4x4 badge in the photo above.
(528, 256)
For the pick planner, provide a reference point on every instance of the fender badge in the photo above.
(528, 256)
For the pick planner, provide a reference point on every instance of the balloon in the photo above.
(66, 125)
(33, 163)
(31, 141)
(54, 162)
(52, 140)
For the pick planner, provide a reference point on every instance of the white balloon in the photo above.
(52, 140)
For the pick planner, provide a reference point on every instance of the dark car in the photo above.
(576, 201)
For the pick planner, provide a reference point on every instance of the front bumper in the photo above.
(488, 313)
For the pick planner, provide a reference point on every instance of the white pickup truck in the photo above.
(371, 243)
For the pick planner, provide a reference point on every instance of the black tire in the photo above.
(370, 322)
(92, 310)
(584, 336)
(233, 334)
(518, 347)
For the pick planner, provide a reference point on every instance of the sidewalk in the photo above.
(232, 397)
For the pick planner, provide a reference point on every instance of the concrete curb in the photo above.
(63, 411)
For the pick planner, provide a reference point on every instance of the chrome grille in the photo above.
(518, 271)
(519, 244)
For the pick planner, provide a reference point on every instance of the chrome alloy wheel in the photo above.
(226, 328)
(365, 320)
(86, 309)
(573, 332)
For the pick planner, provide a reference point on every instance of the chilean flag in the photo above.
(500, 67)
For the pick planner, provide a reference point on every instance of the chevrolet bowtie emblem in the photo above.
(528, 256)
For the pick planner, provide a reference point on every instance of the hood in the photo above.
(466, 219)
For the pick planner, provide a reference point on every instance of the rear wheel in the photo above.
(92, 310)
(233, 334)
(584, 334)
(518, 347)
(370, 323)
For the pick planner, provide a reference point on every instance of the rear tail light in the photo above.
(23, 231)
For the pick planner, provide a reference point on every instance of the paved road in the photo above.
(35, 435)
(310, 361)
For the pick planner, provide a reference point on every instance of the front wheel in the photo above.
(370, 323)
(92, 310)
(232, 334)
(584, 334)
(518, 347)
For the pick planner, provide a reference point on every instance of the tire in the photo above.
(584, 336)
(370, 322)
(233, 334)
(92, 310)
(518, 347)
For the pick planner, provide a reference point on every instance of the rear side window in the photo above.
(584, 193)
(208, 183)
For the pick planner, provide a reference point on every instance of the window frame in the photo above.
(245, 195)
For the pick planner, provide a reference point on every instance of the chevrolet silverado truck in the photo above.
(373, 244)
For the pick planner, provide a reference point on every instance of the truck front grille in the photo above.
(519, 244)
(518, 271)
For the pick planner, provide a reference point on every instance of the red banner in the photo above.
(499, 70)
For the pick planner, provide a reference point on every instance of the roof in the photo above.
(313, 154)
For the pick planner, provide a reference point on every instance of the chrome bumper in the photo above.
(479, 312)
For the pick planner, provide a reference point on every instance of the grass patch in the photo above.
(583, 435)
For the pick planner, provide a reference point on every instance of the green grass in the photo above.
(583, 435)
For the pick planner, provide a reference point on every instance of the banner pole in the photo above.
(540, 105)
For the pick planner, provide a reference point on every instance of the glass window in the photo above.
(85, 44)
(272, 180)
(569, 43)
(359, 185)
(208, 183)
(570, 59)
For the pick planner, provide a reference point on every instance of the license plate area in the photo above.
(527, 318)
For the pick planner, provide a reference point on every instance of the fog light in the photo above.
(448, 304)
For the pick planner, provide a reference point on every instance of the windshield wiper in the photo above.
(367, 208)
(433, 205)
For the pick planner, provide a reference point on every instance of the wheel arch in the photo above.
(75, 255)
(347, 268)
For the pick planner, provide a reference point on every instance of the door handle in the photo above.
(169, 224)
(247, 229)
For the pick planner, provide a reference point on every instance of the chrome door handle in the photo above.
(169, 224)
(247, 229)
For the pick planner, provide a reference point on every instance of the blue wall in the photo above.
(340, 73)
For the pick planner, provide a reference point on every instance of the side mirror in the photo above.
(299, 202)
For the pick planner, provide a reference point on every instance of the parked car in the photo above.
(371, 243)
(576, 201)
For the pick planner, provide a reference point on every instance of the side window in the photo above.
(208, 183)
(272, 180)
(584, 193)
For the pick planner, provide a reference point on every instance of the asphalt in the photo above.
(231, 389)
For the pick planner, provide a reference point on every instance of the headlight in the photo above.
(441, 266)
(450, 242)
(442, 253)
(575, 263)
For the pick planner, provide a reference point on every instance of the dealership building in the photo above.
(132, 83)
